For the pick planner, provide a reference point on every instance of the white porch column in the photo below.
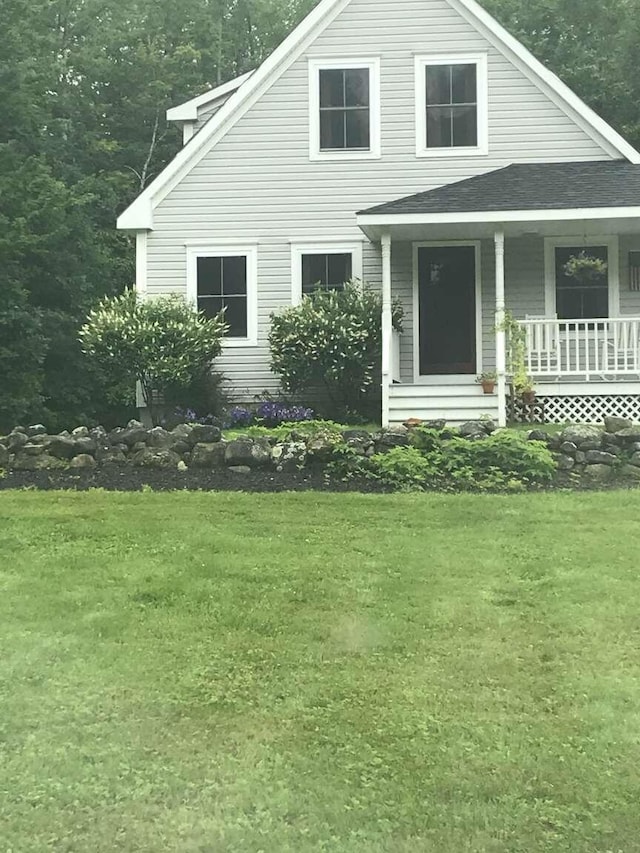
(501, 344)
(387, 325)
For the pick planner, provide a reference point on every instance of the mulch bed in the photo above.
(126, 479)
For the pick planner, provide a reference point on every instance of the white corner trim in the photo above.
(612, 243)
(139, 214)
(141, 264)
(374, 150)
(418, 378)
(188, 111)
(322, 247)
(422, 61)
(552, 85)
(250, 251)
(188, 129)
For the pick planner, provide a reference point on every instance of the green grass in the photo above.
(213, 673)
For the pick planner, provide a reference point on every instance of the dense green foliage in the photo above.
(445, 461)
(84, 85)
(331, 343)
(229, 673)
(161, 343)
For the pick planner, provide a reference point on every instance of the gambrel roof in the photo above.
(139, 215)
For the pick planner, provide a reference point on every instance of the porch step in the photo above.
(455, 404)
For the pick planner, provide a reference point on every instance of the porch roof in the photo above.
(522, 193)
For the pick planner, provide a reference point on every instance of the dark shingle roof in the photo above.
(529, 186)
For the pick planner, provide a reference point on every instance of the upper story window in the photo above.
(451, 106)
(324, 267)
(225, 279)
(344, 109)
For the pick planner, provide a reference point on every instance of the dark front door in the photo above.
(447, 300)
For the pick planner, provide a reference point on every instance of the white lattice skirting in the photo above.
(579, 409)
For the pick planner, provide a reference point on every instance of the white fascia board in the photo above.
(497, 216)
(489, 26)
(189, 110)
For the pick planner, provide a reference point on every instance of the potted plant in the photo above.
(488, 381)
(584, 267)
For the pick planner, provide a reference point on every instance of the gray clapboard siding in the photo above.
(258, 184)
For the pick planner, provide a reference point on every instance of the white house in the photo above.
(418, 146)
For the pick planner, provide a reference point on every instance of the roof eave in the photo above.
(381, 219)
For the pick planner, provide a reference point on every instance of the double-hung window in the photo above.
(344, 107)
(451, 106)
(324, 267)
(224, 279)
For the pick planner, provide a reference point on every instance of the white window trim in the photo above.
(419, 378)
(317, 65)
(329, 247)
(250, 252)
(480, 61)
(613, 248)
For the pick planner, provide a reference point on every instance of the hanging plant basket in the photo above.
(585, 267)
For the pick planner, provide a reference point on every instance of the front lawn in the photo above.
(207, 673)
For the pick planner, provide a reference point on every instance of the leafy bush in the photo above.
(332, 342)
(162, 343)
(438, 460)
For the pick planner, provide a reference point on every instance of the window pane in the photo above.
(209, 276)
(463, 84)
(465, 126)
(357, 128)
(439, 131)
(332, 130)
(357, 87)
(581, 297)
(210, 305)
(332, 88)
(438, 84)
(234, 276)
(339, 269)
(314, 272)
(236, 316)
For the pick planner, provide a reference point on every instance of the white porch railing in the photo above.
(395, 356)
(583, 348)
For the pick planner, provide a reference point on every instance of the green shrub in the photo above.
(161, 343)
(332, 342)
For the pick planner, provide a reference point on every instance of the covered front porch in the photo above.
(460, 257)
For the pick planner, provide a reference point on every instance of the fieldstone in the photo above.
(245, 451)
(4, 456)
(182, 466)
(635, 447)
(356, 435)
(582, 435)
(635, 459)
(158, 437)
(631, 472)
(610, 439)
(614, 424)
(471, 429)
(112, 456)
(392, 438)
(240, 469)
(82, 460)
(205, 455)
(320, 447)
(134, 424)
(15, 440)
(132, 436)
(99, 433)
(182, 431)
(36, 429)
(566, 463)
(568, 448)
(80, 432)
(25, 462)
(180, 447)
(204, 434)
(598, 473)
(554, 441)
(538, 435)
(41, 438)
(155, 458)
(581, 457)
(488, 426)
(600, 457)
(412, 423)
(32, 449)
(62, 447)
(85, 444)
(629, 435)
(139, 445)
(289, 455)
(437, 425)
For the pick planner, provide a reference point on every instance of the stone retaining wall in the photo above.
(585, 454)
